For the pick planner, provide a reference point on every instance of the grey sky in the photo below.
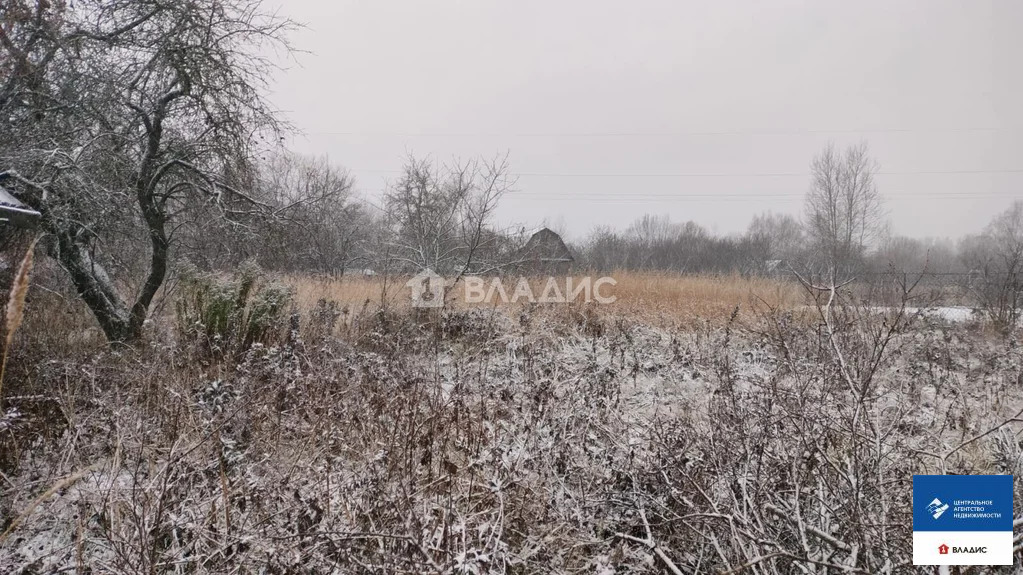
(607, 109)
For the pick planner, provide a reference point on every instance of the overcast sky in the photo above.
(709, 111)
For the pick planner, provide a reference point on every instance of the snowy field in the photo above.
(477, 442)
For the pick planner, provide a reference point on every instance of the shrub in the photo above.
(229, 314)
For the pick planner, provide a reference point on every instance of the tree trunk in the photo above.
(157, 265)
(94, 285)
(88, 276)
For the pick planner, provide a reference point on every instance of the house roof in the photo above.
(546, 245)
(14, 212)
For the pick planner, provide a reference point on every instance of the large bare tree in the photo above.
(124, 119)
(440, 217)
(844, 211)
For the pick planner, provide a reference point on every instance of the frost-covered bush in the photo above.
(230, 313)
(468, 442)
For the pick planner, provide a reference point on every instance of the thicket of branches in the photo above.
(130, 124)
(466, 442)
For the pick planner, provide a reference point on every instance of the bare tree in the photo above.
(651, 230)
(126, 119)
(915, 255)
(843, 207)
(657, 243)
(440, 217)
(324, 225)
(995, 260)
(605, 250)
(780, 235)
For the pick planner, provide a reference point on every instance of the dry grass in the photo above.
(352, 291)
(657, 298)
(477, 445)
(462, 442)
(15, 310)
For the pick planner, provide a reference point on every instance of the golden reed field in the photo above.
(652, 297)
(655, 299)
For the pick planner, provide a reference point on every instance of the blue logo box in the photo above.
(962, 503)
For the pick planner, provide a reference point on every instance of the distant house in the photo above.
(14, 213)
(545, 252)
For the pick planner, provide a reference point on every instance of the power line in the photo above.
(720, 174)
(729, 196)
(684, 199)
(682, 133)
(626, 195)
(751, 174)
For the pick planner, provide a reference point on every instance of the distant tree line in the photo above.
(841, 234)
(772, 244)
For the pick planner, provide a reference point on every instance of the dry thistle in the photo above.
(15, 310)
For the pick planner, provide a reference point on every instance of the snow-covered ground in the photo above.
(505, 445)
(951, 314)
(955, 314)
